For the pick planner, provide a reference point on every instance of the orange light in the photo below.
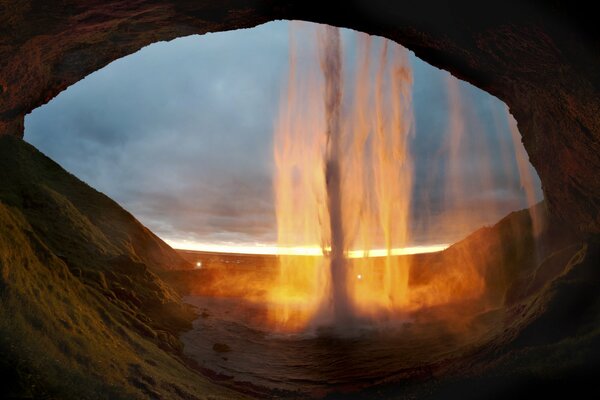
(373, 171)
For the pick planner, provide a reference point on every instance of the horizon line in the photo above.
(315, 251)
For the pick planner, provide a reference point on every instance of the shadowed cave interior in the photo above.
(83, 281)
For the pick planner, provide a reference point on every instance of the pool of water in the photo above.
(230, 340)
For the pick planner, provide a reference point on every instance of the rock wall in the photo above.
(541, 59)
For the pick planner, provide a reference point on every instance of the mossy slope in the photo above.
(83, 314)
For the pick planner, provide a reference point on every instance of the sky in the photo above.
(180, 134)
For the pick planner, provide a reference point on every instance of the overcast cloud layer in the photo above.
(180, 134)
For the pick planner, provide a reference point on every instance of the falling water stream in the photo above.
(355, 193)
(331, 64)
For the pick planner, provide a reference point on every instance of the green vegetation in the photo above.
(83, 313)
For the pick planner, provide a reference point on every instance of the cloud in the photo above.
(180, 134)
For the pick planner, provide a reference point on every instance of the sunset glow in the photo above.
(315, 251)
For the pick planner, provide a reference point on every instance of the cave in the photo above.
(540, 60)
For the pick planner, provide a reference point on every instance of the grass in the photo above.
(83, 313)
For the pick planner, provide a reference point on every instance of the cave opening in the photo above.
(182, 135)
(163, 108)
(95, 305)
